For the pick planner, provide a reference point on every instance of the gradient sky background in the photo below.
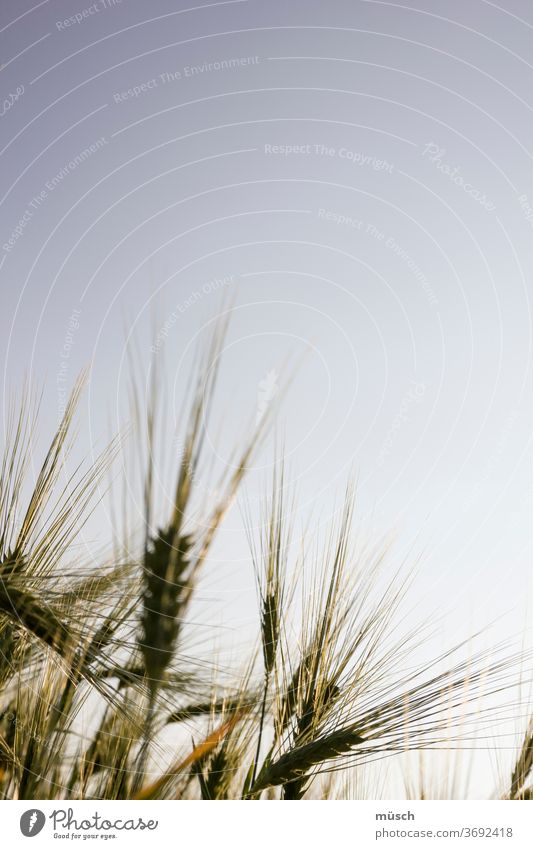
(389, 251)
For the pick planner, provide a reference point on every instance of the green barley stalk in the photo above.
(523, 768)
(271, 566)
(297, 763)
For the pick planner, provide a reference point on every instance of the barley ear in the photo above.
(297, 763)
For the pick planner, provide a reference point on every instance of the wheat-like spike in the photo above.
(300, 761)
(523, 767)
(223, 767)
(275, 548)
(218, 775)
(270, 622)
(37, 618)
(244, 701)
(50, 469)
(13, 467)
(165, 567)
